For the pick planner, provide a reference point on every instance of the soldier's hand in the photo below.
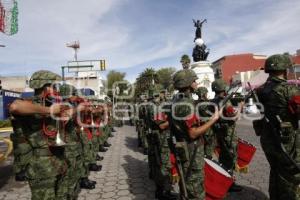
(55, 109)
(175, 178)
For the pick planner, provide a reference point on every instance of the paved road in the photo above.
(125, 172)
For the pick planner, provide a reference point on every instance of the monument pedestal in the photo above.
(205, 75)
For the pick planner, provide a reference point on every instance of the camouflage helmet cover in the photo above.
(42, 77)
(201, 91)
(218, 85)
(185, 59)
(277, 62)
(67, 90)
(184, 78)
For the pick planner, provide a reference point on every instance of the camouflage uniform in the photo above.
(73, 151)
(275, 95)
(47, 166)
(209, 137)
(22, 150)
(194, 183)
(164, 184)
(224, 130)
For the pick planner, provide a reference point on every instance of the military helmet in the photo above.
(43, 77)
(67, 90)
(184, 78)
(218, 85)
(201, 91)
(277, 62)
(185, 59)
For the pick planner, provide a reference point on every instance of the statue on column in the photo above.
(199, 52)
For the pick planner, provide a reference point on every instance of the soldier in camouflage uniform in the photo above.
(224, 131)
(22, 150)
(189, 130)
(209, 139)
(279, 135)
(47, 165)
(73, 151)
(160, 122)
(142, 128)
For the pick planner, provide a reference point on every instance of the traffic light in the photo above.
(102, 65)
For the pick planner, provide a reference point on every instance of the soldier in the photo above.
(47, 165)
(224, 131)
(279, 138)
(189, 130)
(143, 128)
(209, 139)
(160, 122)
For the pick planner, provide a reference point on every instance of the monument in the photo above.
(201, 66)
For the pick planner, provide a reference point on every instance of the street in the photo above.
(125, 172)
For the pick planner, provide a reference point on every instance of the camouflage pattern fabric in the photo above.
(274, 95)
(42, 77)
(195, 181)
(224, 131)
(22, 149)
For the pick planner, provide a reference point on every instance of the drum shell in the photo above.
(216, 184)
(245, 153)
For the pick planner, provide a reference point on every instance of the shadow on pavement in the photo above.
(132, 144)
(140, 186)
(6, 170)
(248, 193)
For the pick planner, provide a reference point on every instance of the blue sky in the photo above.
(134, 34)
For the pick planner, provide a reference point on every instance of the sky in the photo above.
(134, 34)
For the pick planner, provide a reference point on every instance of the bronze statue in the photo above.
(200, 52)
(198, 25)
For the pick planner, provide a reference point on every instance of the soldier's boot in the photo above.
(85, 183)
(99, 158)
(139, 143)
(145, 151)
(235, 188)
(164, 195)
(113, 130)
(20, 176)
(95, 167)
(106, 144)
(102, 149)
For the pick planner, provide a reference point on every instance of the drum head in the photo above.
(217, 167)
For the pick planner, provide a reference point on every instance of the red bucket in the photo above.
(245, 153)
(217, 180)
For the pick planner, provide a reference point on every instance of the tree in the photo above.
(115, 76)
(146, 81)
(165, 77)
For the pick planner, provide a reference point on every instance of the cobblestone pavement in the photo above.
(125, 172)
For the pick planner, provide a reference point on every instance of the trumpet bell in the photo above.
(58, 140)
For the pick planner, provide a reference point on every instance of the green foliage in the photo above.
(165, 77)
(115, 76)
(151, 80)
(5, 123)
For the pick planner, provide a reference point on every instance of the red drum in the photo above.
(217, 180)
(245, 153)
